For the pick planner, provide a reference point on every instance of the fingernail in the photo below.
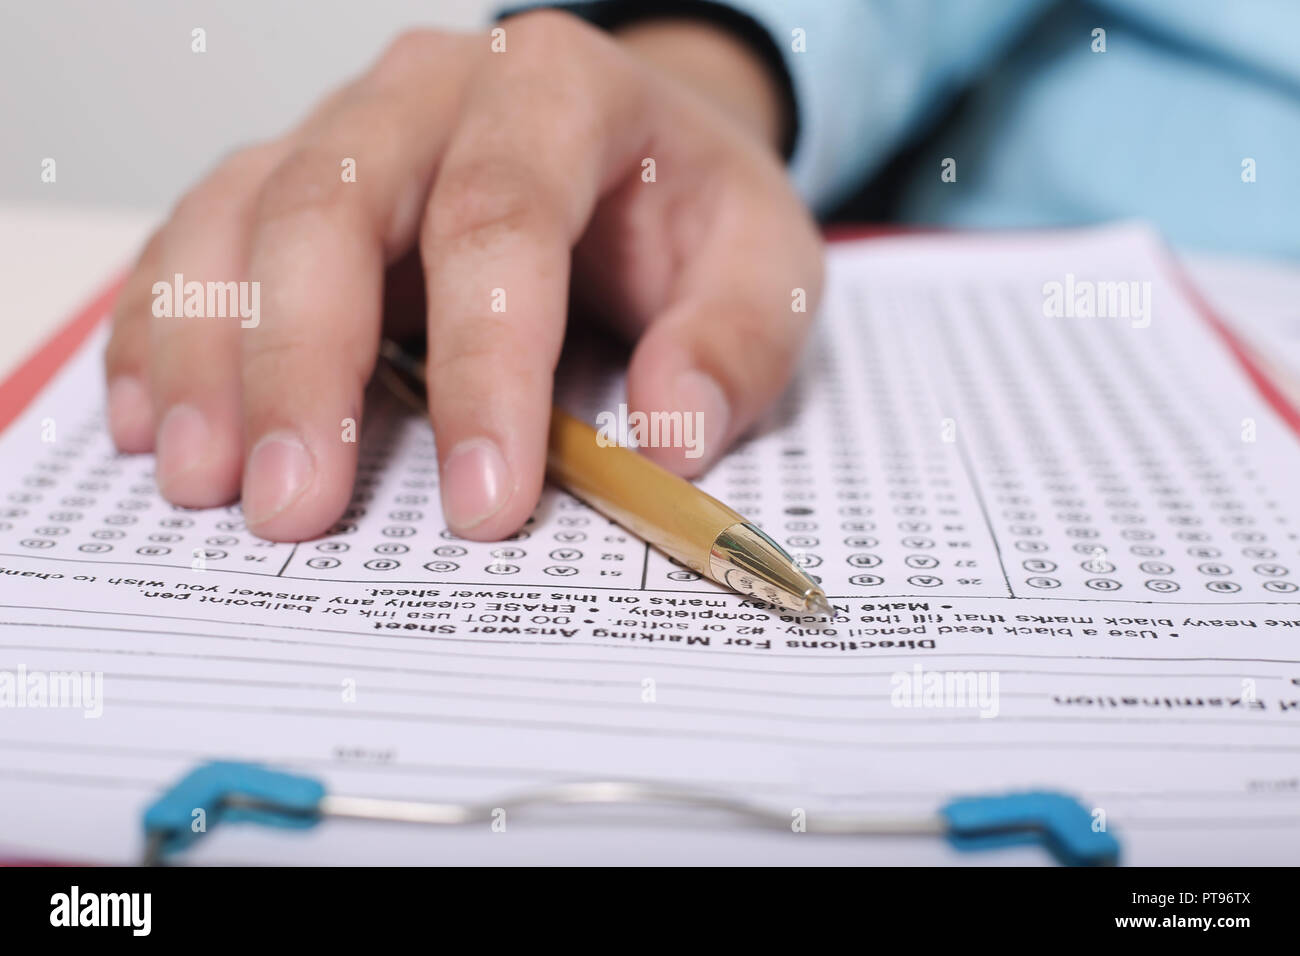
(280, 469)
(129, 413)
(475, 483)
(696, 391)
(183, 444)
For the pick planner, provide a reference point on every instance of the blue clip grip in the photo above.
(281, 800)
(1057, 821)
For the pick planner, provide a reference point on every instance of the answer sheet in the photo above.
(1027, 460)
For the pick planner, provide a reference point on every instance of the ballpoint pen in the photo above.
(664, 510)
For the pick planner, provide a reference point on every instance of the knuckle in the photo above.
(556, 57)
(375, 125)
(414, 46)
(465, 355)
(458, 377)
(269, 360)
(271, 365)
(412, 49)
(297, 355)
(480, 203)
(305, 183)
(247, 164)
(452, 354)
(197, 205)
(220, 193)
(546, 28)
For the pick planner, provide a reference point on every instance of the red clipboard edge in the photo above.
(1241, 351)
(26, 382)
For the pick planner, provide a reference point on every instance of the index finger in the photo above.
(538, 145)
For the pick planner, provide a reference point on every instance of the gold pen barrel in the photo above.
(676, 517)
(651, 502)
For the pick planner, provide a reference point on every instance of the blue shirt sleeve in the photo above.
(867, 73)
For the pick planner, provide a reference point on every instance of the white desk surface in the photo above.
(53, 259)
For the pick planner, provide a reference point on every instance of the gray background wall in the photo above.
(111, 90)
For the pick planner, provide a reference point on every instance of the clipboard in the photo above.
(20, 388)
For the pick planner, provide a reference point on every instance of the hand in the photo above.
(510, 171)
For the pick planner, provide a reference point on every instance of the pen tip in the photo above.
(816, 602)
